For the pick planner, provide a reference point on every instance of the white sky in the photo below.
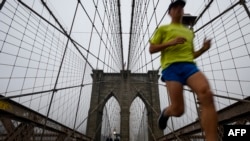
(65, 16)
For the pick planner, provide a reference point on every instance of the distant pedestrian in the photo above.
(109, 139)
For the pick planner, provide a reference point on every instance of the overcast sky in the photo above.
(193, 7)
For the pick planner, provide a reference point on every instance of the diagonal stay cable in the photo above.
(152, 133)
(96, 28)
(216, 95)
(63, 31)
(95, 108)
(156, 112)
(116, 51)
(132, 64)
(72, 40)
(62, 61)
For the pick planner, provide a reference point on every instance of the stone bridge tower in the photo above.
(125, 87)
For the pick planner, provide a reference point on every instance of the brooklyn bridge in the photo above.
(78, 70)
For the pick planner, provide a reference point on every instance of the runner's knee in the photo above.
(205, 97)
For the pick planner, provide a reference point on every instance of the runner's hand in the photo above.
(206, 44)
(179, 40)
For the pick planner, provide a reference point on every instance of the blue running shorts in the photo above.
(180, 72)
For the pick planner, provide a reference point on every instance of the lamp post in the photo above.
(116, 135)
(188, 20)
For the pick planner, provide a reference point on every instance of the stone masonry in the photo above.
(125, 87)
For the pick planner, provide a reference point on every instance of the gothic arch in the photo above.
(124, 87)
